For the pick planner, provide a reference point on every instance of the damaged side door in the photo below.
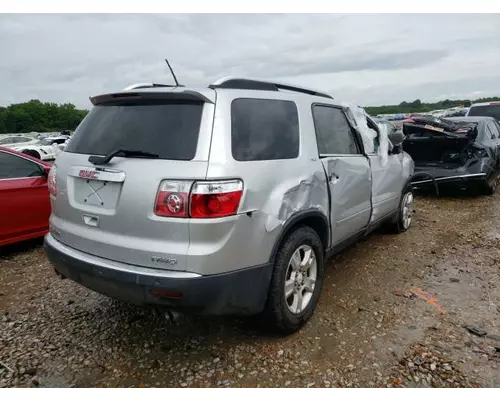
(387, 178)
(348, 172)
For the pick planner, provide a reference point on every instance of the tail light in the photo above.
(172, 199)
(215, 199)
(183, 199)
(51, 181)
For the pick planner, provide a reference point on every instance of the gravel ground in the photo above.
(419, 309)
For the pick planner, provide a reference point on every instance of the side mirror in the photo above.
(396, 137)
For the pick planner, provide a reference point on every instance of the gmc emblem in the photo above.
(88, 174)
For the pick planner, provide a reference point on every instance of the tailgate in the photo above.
(108, 210)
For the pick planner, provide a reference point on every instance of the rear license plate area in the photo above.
(96, 193)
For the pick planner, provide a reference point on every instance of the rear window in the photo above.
(264, 130)
(485, 111)
(167, 128)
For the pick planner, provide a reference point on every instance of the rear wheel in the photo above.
(403, 219)
(32, 153)
(296, 281)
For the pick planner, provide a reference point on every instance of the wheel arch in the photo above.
(314, 219)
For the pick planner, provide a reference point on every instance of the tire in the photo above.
(402, 222)
(284, 313)
(32, 153)
(490, 187)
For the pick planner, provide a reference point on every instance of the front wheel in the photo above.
(403, 219)
(296, 281)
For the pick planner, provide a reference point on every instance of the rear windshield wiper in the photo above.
(98, 160)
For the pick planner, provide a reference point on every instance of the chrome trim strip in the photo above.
(450, 178)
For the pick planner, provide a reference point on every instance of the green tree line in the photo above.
(39, 117)
(418, 107)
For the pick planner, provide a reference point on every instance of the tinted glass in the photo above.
(264, 129)
(167, 128)
(333, 132)
(493, 130)
(485, 111)
(12, 166)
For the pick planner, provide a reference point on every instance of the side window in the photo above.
(264, 130)
(493, 130)
(333, 132)
(12, 166)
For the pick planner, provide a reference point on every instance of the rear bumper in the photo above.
(464, 176)
(243, 292)
(475, 171)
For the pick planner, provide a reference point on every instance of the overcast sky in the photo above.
(367, 59)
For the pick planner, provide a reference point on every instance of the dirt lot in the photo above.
(393, 313)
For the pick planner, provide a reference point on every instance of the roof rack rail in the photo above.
(149, 85)
(254, 84)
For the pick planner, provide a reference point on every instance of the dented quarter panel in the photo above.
(274, 191)
(277, 190)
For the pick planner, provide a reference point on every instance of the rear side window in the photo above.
(485, 111)
(333, 132)
(264, 130)
(167, 128)
(12, 167)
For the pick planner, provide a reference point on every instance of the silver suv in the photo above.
(220, 200)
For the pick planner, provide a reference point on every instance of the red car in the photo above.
(24, 197)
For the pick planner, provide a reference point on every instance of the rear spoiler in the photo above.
(153, 95)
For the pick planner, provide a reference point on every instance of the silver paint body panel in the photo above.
(123, 231)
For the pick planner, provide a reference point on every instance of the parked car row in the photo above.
(232, 197)
(449, 112)
(229, 215)
(489, 109)
(42, 147)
